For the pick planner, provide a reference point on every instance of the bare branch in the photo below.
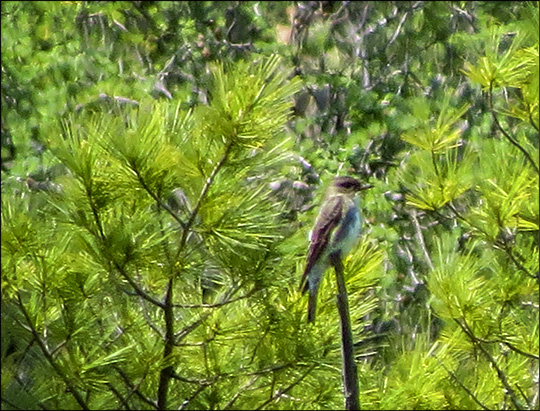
(420, 239)
(350, 376)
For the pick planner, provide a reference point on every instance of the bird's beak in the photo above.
(365, 187)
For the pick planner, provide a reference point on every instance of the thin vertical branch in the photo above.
(166, 373)
(420, 239)
(350, 377)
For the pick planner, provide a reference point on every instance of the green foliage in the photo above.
(487, 189)
(440, 137)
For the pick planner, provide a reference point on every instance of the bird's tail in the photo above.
(311, 284)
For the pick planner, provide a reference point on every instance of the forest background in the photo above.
(162, 164)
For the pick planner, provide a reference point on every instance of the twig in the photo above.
(158, 200)
(420, 239)
(147, 16)
(279, 393)
(502, 376)
(136, 287)
(531, 120)
(178, 377)
(120, 269)
(134, 388)
(504, 247)
(12, 405)
(505, 134)
(508, 251)
(186, 330)
(512, 347)
(204, 191)
(398, 29)
(188, 400)
(456, 379)
(119, 396)
(240, 391)
(526, 354)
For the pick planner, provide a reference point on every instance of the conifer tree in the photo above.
(155, 277)
(472, 198)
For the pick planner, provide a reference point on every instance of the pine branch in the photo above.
(202, 196)
(135, 388)
(508, 251)
(500, 374)
(95, 213)
(512, 347)
(280, 393)
(119, 396)
(135, 286)
(188, 380)
(186, 330)
(240, 391)
(157, 199)
(456, 379)
(70, 387)
(521, 352)
(171, 339)
(120, 269)
(193, 396)
(12, 405)
(149, 321)
(504, 247)
(505, 134)
(531, 120)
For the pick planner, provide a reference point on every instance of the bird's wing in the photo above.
(328, 220)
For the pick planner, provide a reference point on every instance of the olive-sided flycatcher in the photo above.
(336, 230)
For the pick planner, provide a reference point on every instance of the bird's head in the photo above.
(348, 185)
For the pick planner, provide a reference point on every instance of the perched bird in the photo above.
(336, 230)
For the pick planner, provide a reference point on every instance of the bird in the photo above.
(336, 230)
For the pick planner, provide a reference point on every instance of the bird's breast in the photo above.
(348, 232)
